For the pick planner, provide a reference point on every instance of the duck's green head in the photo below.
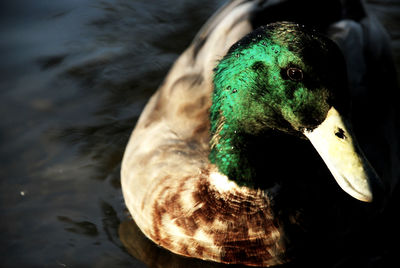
(281, 76)
(285, 77)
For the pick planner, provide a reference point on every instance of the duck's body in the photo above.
(176, 200)
(178, 197)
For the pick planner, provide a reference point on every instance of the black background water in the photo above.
(74, 77)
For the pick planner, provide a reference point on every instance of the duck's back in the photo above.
(173, 129)
(166, 173)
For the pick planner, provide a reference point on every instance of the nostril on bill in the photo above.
(340, 133)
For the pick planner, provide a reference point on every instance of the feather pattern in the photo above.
(175, 195)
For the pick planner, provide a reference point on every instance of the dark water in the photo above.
(74, 77)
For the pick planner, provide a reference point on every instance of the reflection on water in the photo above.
(75, 76)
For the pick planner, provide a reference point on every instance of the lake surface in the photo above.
(74, 77)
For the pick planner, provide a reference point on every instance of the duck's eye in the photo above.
(295, 74)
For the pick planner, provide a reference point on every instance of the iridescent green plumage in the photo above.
(277, 84)
(255, 94)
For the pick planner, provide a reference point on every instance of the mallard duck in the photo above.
(222, 158)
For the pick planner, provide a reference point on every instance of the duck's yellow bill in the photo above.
(336, 144)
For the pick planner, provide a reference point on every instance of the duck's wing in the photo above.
(183, 98)
(173, 127)
(165, 170)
